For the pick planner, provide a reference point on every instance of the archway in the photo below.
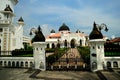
(65, 43)
(21, 64)
(115, 64)
(13, 64)
(94, 65)
(108, 64)
(48, 45)
(53, 45)
(31, 64)
(72, 43)
(9, 64)
(26, 64)
(41, 65)
(17, 64)
(0, 63)
(80, 42)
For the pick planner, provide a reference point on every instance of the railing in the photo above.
(5, 21)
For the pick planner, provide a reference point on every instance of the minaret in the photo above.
(96, 49)
(21, 22)
(39, 46)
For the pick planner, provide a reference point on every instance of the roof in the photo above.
(95, 34)
(21, 19)
(64, 27)
(52, 31)
(8, 8)
(115, 40)
(78, 31)
(39, 37)
(56, 35)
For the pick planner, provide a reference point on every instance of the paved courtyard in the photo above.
(26, 74)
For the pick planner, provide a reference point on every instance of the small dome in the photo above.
(64, 27)
(8, 8)
(39, 37)
(95, 34)
(21, 20)
(78, 31)
(52, 31)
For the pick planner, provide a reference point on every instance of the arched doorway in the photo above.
(108, 64)
(115, 64)
(13, 64)
(65, 43)
(17, 64)
(48, 45)
(94, 65)
(41, 65)
(53, 45)
(9, 64)
(72, 43)
(80, 42)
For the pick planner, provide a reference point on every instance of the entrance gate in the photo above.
(68, 63)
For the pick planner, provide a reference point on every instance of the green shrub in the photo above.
(85, 54)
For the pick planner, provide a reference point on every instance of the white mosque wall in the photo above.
(27, 62)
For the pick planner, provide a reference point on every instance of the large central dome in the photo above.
(64, 27)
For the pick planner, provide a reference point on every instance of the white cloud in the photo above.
(82, 16)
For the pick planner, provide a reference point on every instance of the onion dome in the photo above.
(52, 31)
(95, 34)
(8, 8)
(39, 37)
(21, 20)
(78, 31)
(64, 27)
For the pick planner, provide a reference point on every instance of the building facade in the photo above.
(66, 38)
(11, 34)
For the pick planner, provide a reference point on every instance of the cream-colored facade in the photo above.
(11, 34)
(66, 36)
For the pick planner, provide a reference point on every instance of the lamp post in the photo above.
(100, 27)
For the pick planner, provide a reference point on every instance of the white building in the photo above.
(11, 34)
(66, 38)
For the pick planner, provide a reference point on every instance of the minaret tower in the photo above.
(96, 49)
(6, 25)
(39, 46)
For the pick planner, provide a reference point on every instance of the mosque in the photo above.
(11, 37)
(66, 38)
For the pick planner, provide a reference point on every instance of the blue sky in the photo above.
(77, 14)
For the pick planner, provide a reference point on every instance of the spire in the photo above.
(8, 8)
(21, 20)
(95, 34)
(39, 37)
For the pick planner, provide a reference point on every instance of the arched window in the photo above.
(65, 43)
(72, 43)
(31, 64)
(80, 42)
(13, 64)
(115, 64)
(53, 45)
(58, 45)
(94, 65)
(0, 63)
(48, 45)
(21, 64)
(9, 64)
(108, 64)
(41, 65)
(17, 64)
(26, 64)
(5, 64)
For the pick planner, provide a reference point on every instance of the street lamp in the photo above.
(100, 27)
